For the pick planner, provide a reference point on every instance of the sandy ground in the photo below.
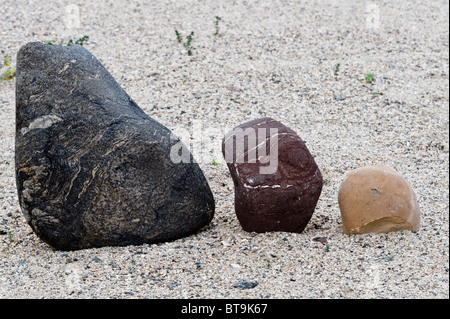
(269, 58)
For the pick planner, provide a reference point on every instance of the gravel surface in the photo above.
(269, 58)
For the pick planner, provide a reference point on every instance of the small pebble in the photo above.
(245, 285)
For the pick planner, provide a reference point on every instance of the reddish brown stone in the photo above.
(277, 192)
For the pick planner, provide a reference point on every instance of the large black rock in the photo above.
(92, 168)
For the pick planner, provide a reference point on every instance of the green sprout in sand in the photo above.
(10, 72)
(216, 23)
(336, 69)
(80, 41)
(179, 37)
(369, 77)
(187, 45)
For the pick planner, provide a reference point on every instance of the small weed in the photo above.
(187, 45)
(80, 41)
(9, 73)
(6, 60)
(10, 236)
(337, 69)
(327, 248)
(216, 23)
(214, 162)
(179, 37)
(369, 77)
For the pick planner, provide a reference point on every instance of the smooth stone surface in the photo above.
(92, 168)
(269, 198)
(377, 199)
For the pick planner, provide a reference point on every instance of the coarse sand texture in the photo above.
(362, 83)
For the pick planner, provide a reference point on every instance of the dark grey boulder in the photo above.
(92, 168)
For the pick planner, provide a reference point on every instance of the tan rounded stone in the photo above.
(377, 199)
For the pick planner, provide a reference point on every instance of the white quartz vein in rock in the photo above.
(41, 123)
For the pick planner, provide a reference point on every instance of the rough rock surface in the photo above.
(92, 169)
(377, 199)
(279, 189)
